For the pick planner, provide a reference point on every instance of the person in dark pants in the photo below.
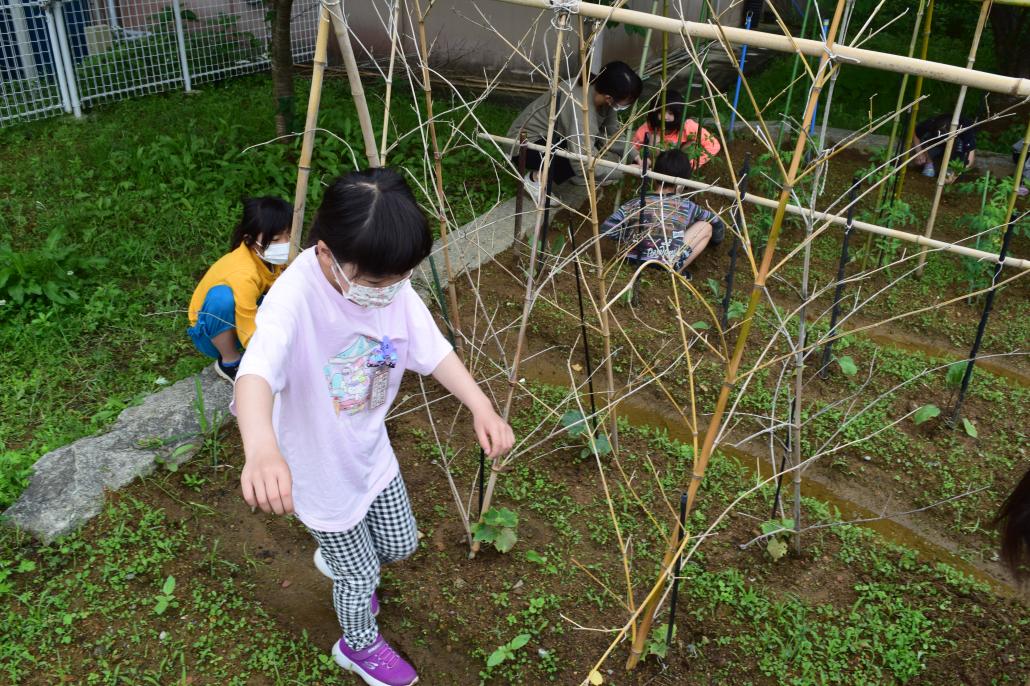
(612, 90)
(931, 138)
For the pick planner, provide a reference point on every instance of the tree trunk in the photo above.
(1011, 29)
(280, 12)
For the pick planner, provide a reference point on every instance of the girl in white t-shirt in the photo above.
(334, 336)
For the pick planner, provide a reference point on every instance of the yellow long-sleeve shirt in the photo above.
(248, 276)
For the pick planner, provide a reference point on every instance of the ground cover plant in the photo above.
(573, 545)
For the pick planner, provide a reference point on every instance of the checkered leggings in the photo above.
(386, 534)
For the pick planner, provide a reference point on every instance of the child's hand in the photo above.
(267, 482)
(493, 433)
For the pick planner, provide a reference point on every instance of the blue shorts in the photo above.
(217, 315)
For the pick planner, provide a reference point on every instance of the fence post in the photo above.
(180, 38)
(67, 62)
(55, 55)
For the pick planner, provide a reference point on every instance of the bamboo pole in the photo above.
(602, 285)
(899, 105)
(452, 294)
(804, 212)
(793, 78)
(715, 424)
(942, 173)
(354, 77)
(300, 195)
(534, 248)
(995, 83)
(394, 35)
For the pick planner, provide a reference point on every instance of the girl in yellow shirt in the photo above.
(225, 302)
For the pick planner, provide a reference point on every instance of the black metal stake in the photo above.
(783, 465)
(482, 468)
(988, 304)
(583, 329)
(742, 185)
(676, 574)
(634, 295)
(838, 292)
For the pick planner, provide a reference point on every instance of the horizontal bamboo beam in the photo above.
(634, 170)
(948, 73)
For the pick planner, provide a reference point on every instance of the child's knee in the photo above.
(400, 549)
(360, 583)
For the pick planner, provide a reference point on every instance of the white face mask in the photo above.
(367, 296)
(276, 253)
(620, 108)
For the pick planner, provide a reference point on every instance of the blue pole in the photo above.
(740, 77)
(815, 114)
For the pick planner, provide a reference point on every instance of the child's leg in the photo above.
(215, 331)
(695, 240)
(391, 523)
(354, 564)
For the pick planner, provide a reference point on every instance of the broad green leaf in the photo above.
(925, 412)
(26, 566)
(715, 286)
(534, 556)
(776, 548)
(956, 371)
(497, 657)
(505, 540)
(969, 427)
(700, 326)
(573, 422)
(483, 532)
(162, 605)
(519, 641)
(847, 365)
(603, 445)
(169, 586)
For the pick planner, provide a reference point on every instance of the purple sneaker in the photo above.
(321, 566)
(377, 665)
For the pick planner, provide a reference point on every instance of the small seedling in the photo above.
(925, 413)
(656, 643)
(166, 597)
(507, 651)
(498, 527)
(777, 531)
(847, 365)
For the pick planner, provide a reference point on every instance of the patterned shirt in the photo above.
(657, 232)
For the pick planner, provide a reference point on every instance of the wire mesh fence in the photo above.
(62, 56)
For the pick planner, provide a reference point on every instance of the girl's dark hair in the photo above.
(618, 80)
(370, 219)
(674, 105)
(262, 220)
(673, 162)
(1014, 524)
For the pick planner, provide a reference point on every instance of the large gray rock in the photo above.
(68, 484)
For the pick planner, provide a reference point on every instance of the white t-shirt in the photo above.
(316, 350)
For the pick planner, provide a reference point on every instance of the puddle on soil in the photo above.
(641, 412)
(995, 365)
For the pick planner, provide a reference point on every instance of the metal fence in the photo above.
(64, 55)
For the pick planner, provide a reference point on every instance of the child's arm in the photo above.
(493, 433)
(265, 479)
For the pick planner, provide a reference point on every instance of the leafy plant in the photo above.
(777, 531)
(847, 365)
(956, 370)
(50, 272)
(576, 426)
(925, 413)
(655, 644)
(166, 597)
(507, 651)
(497, 528)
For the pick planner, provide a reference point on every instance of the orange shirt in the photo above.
(709, 144)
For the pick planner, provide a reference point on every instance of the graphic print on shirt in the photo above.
(351, 372)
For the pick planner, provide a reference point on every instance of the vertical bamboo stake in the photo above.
(602, 286)
(793, 77)
(730, 380)
(394, 35)
(893, 138)
(357, 90)
(423, 48)
(910, 131)
(308, 142)
(942, 173)
(534, 248)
